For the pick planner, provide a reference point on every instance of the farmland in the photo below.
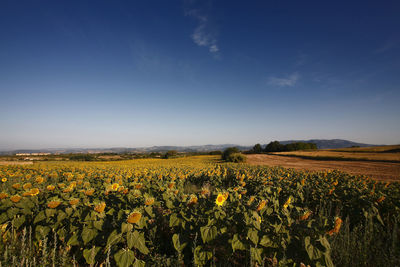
(194, 211)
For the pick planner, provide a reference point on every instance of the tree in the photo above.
(170, 154)
(229, 151)
(274, 146)
(257, 148)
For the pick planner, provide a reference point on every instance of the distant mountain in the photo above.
(329, 143)
(321, 144)
(204, 148)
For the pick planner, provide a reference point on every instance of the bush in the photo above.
(236, 157)
(229, 151)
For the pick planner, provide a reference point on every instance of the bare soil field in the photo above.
(377, 153)
(370, 156)
(378, 170)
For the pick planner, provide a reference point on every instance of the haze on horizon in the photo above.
(185, 72)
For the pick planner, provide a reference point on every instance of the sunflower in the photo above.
(50, 187)
(15, 198)
(4, 179)
(27, 186)
(149, 201)
(220, 199)
(261, 205)
(379, 200)
(114, 187)
(16, 186)
(73, 201)
(39, 179)
(305, 216)
(34, 191)
(288, 201)
(89, 192)
(100, 207)
(193, 200)
(134, 217)
(53, 204)
(336, 228)
(3, 195)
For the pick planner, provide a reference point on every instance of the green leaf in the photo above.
(124, 257)
(61, 216)
(149, 211)
(90, 254)
(113, 238)
(139, 263)
(88, 234)
(50, 212)
(201, 256)
(12, 212)
(256, 254)
(98, 225)
(3, 217)
(137, 240)
(174, 220)
(18, 221)
(73, 240)
(41, 231)
(40, 217)
(253, 236)
(178, 245)
(69, 211)
(126, 227)
(237, 244)
(312, 251)
(266, 242)
(208, 233)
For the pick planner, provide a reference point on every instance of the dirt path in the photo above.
(377, 170)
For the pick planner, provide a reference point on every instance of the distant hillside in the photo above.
(329, 143)
(204, 148)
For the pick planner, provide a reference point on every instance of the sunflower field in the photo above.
(194, 211)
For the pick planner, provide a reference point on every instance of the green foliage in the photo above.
(275, 146)
(236, 158)
(170, 154)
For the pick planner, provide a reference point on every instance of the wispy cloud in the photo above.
(289, 80)
(205, 33)
(385, 47)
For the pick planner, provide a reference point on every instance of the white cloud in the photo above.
(204, 34)
(289, 80)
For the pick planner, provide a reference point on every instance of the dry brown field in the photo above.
(378, 170)
(381, 153)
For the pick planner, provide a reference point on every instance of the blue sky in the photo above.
(142, 73)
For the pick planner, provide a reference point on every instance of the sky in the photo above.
(184, 72)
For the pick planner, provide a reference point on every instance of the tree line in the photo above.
(275, 146)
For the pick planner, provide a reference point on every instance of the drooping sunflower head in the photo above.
(53, 204)
(15, 198)
(100, 207)
(50, 187)
(149, 201)
(34, 191)
(134, 217)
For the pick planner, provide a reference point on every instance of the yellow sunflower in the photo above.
(134, 217)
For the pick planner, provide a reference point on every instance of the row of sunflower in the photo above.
(190, 210)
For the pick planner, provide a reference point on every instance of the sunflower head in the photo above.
(100, 207)
(220, 199)
(134, 217)
(53, 204)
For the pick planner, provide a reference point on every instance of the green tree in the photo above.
(257, 148)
